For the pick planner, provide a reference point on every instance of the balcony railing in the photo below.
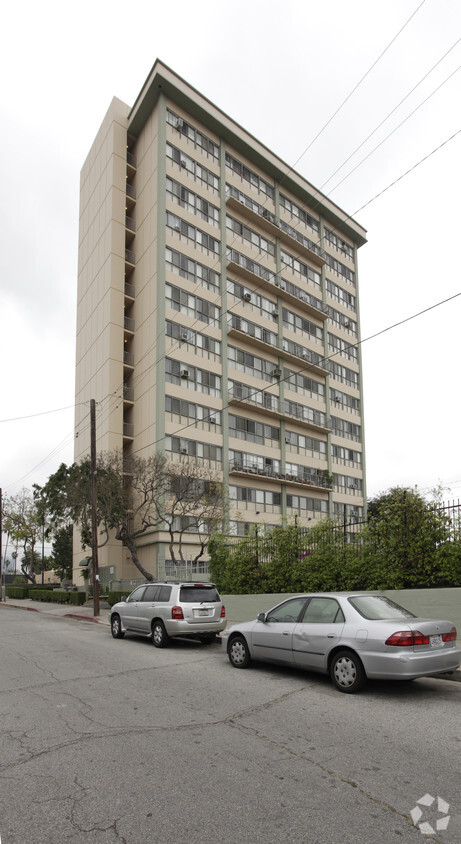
(128, 394)
(128, 358)
(130, 191)
(130, 223)
(131, 158)
(128, 324)
(129, 289)
(128, 430)
(130, 256)
(310, 479)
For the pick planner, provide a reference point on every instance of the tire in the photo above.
(238, 653)
(116, 627)
(160, 638)
(347, 672)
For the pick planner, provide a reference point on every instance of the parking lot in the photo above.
(115, 741)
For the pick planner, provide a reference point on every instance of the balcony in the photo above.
(129, 292)
(128, 431)
(130, 223)
(317, 482)
(128, 360)
(270, 405)
(128, 394)
(264, 279)
(265, 343)
(275, 226)
(130, 257)
(128, 324)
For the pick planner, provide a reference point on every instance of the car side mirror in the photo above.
(123, 599)
(261, 616)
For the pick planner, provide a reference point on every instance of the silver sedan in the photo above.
(350, 636)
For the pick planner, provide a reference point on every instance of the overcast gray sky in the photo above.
(282, 78)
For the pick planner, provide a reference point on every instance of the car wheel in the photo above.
(116, 627)
(347, 672)
(239, 655)
(160, 637)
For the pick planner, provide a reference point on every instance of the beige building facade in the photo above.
(218, 316)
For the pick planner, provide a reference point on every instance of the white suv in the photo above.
(163, 610)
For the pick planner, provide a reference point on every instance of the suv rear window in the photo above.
(197, 594)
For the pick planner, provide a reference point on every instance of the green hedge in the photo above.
(17, 592)
(116, 596)
(54, 596)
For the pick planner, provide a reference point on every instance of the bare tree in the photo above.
(23, 521)
(137, 495)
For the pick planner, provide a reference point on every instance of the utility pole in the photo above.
(94, 519)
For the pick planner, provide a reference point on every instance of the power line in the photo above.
(354, 89)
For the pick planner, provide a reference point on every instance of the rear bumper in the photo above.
(181, 627)
(408, 666)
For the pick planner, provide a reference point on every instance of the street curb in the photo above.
(84, 617)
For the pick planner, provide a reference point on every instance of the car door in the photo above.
(319, 629)
(146, 608)
(272, 639)
(130, 609)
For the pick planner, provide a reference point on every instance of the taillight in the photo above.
(176, 612)
(407, 638)
(223, 615)
(449, 637)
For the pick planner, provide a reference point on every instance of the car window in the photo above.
(151, 593)
(164, 593)
(323, 611)
(198, 594)
(137, 594)
(287, 612)
(376, 607)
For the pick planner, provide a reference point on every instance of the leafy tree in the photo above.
(403, 535)
(62, 549)
(24, 523)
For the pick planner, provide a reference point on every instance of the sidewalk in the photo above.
(86, 613)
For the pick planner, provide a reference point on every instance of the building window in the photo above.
(338, 243)
(258, 241)
(198, 138)
(252, 329)
(192, 202)
(192, 378)
(189, 410)
(310, 446)
(248, 429)
(306, 414)
(192, 270)
(299, 382)
(249, 176)
(251, 364)
(345, 429)
(340, 295)
(194, 306)
(193, 338)
(295, 210)
(300, 269)
(303, 505)
(301, 325)
(193, 168)
(198, 237)
(343, 347)
(343, 374)
(260, 498)
(192, 448)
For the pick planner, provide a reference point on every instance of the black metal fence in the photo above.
(345, 531)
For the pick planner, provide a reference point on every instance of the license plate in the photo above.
(436, 641)
(202, 612)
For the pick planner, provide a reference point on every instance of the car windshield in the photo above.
(376, 607)
(198, 594)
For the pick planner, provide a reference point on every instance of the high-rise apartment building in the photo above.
(217, 314)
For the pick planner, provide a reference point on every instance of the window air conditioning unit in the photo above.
(212, 420)
(185, 336)
(276, 373)
(184, 373)
(177, 227)
(246, 297)
(275, 313)
(184, 451)
(183, 162)
(287, 439)
(179, 123)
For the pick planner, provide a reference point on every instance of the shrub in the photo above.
(115, 596)
(17, 592)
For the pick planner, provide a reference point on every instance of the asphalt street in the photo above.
(110, 741)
